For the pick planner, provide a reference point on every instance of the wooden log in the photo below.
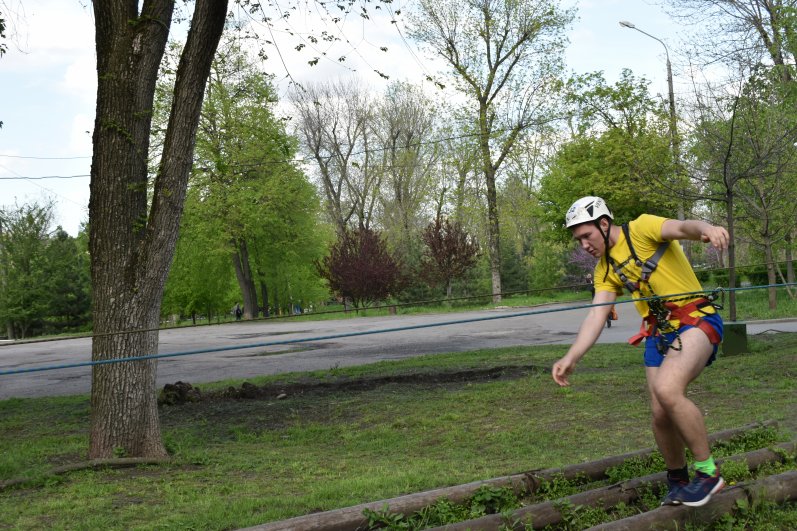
(595, 470)
(351, 518)
(779, 488)
(546, 513)
(543, 514)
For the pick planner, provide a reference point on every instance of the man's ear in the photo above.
(604, 223)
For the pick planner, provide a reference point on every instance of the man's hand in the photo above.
(561, 370)
(716, 236)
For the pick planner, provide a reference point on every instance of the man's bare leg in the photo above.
(668, 438)
(668, 389)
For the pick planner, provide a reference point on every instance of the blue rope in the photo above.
(366, 332)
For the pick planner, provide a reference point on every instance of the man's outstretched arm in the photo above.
(588, 334)
(693, 229)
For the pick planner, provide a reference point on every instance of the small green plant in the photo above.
(578, 517)
(636, 467)
(758, 516)
(439, 514)
(119, 452)
(734, 472)
(491, 500)
(746, 441)
(558, 487)
(384, 519)
(650, 497)
(486, 500)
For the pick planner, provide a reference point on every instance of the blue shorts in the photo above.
(653, 357)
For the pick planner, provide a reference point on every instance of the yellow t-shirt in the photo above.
(673, 275)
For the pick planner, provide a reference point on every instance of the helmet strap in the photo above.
(605, 242)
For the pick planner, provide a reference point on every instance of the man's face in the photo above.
(590, 238)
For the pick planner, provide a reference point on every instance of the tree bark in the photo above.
(731, 257)
(246, 280)
(789, 258)
(264, 297)
(493, 227)
(132, 247)
(771, 276)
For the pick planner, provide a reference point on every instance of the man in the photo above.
(681, 329)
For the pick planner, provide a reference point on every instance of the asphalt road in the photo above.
(242, 353)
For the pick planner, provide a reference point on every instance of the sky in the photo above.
(48, 79)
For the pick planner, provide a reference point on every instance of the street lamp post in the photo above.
(675, 143)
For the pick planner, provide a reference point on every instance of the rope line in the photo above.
(371, 332)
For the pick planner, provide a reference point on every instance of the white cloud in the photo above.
(80, 79)
(48, 33)
(80, 134)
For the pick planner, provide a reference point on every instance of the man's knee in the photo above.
(667, 394)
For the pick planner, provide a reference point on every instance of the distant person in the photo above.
(238, 311)
(681, 335)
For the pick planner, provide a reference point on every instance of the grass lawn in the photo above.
(425, 423)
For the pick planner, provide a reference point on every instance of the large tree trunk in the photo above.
(264, 297)
(494, 236)
(789, 259)
(771, 275)
(131, 248)
(494, 242)
(246, 280)
(731, 256)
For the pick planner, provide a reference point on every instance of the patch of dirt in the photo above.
(182, 392)
(273, 406)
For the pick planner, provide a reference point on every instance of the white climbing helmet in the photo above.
(586, 209)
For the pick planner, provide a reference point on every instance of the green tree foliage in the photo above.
(247, 202)
(405, 126)
(750, 164)
(44, 276)
(756, 40)
(201, 280)
(546, 264)
(619, 150)
(449, 254)
(360, 268)
(505, 57)
(522, 218)
(69, 281)
(767, 124)
(25, 297)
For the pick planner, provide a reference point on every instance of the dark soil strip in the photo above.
(183, 392)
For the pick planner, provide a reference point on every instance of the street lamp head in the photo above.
(626, 24)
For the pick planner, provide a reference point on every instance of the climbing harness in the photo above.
(662, 311)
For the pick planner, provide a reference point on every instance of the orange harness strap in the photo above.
(647, 329)
(650, 325)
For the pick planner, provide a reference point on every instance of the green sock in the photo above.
(707, 467)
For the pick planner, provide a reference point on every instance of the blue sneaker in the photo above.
(674, 485)
(699, 491)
